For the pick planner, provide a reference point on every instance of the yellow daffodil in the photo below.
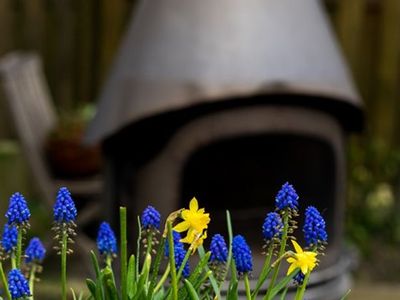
(195, 241)
(304, 260)
(195, 220)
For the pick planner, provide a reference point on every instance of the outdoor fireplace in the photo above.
(226, 101)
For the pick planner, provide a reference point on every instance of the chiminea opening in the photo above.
(244, 173)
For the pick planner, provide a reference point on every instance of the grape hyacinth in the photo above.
(106, 241)
(18, 285)
(176, 237)
(64, 209)
(18, 213)
(298, 279)
(287, 198)
(150, 218)
(242, 255)
(35, 251)
(150, 221)
(314, 228)
(272, 226)
(9, 238)
(64, 213)
(218, 257)
(219, 251)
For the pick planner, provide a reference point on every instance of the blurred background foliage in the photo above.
(78, 39)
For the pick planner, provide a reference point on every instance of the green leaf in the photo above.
(283, 295)
(212, 279)
(91, 286)
(345, 295)
(131, 277)
(156, 268)
(282, 284)
(95, 263)
(198, 270)
(232, 293)
(192, 292)
(73, 294)
(109, 283)
(124, 252)
(233, 284)
(194, 277)
(112, 290)
(143, 278)
(138, 243)
(159, 295)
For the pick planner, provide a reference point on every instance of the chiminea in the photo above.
(227, 100)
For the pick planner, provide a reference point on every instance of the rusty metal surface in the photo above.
(179, 53)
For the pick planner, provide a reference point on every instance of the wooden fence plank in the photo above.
(85, 51)
(388, 73)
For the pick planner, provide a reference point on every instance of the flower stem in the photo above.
(4, 281)
(281, 251)
(265, 271)
(64, 265)
(124, 257)
(19, 248)
(32, 280)
(300, 291)
(247, 286)
(149, 243)
(156, 266)
(174, 281)
(182, 266)
(162, 280)
(13, 260)
(108, 260)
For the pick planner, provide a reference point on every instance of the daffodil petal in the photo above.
(304, 269)
(193, 205)
(297, 247)
(183, 226)
(187, 240)
(292, 267)
(185, 214)
(291, 260)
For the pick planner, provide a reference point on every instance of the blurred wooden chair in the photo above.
(34, 116)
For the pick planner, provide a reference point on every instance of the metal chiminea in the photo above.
(226, 100)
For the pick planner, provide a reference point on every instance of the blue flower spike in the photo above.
(150, 218)
(287, 198)
(18, 213)
(242, 255)
(64, 214)
(35, 252)
(314, 228)
(64, 209)
(177, 239)
(106, 240)
(272, 227)
(218, 257)
(298, 279)
(219, 251)
(18, 285)
(9, 239)
(150, 221)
